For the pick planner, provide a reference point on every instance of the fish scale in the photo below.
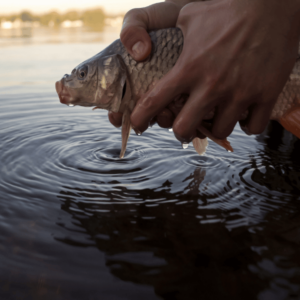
(167, 46)
(113, 80)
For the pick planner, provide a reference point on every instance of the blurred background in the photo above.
(62, 21)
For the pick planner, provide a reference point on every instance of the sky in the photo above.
(37, 6)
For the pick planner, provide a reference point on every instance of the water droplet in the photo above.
(138, 134)
(171, 129)
(229, 151)
(70, 105)
(184, 145)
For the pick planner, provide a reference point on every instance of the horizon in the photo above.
(35, 6)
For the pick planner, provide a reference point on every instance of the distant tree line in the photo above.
(94, 18)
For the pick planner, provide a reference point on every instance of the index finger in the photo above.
(154, 101)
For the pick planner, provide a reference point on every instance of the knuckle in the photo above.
(213, 79)
(147, 104)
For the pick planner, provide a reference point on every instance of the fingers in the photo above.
(200, 135)
(191, 115)
(243, 126)
(227, 115)
(152, 122)
(154, 102)
(225, 119)
(137, 22)
(259, 118)
(134, 34)
(165, 118)
(115, 118)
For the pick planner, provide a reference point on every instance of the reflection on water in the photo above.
(41, 35)
(77, 222)
(24, 32)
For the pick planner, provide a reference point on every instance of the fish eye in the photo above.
(82, 72)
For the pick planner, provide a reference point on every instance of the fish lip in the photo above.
(63, 92)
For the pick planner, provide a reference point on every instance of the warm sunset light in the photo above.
(112, 6)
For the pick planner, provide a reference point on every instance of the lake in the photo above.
(76, 222)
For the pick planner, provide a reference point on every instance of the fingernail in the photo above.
(138, 48)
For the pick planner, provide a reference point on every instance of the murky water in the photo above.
(76, 222)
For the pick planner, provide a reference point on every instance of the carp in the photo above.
(114, 81)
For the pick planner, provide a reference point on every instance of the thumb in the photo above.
(137, 22)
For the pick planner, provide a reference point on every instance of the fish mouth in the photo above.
(63, 92)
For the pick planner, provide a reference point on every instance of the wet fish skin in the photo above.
(166, 48)
(113, 71)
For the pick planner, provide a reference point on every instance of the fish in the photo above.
(114, 81)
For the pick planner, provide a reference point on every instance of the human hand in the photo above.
(237, 55)
(134, 36)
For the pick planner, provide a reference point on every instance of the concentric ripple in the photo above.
(75, 147)
(163, 220)
(111, 155)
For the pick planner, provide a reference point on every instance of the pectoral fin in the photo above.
(200, 145)
(291, 121)
(223, 143)
(126, 127)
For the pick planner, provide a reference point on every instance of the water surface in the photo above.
(77, 222)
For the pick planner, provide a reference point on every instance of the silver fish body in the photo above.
(113, 80)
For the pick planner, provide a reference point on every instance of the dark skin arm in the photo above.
(135, 37)
(237, 55)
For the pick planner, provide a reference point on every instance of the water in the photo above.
(77, 222)
(185, 145)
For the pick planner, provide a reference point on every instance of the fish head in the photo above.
(99, 81)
